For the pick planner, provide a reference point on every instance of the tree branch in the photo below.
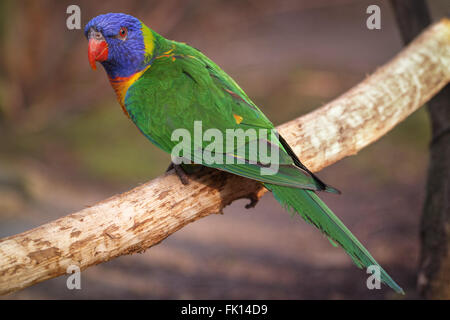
(140, 218)
(434, 263)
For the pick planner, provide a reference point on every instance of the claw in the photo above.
(253, 201)
(180, 173)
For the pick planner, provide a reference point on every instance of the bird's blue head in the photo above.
(120, 42)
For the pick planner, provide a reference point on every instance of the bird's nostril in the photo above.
(94, 34)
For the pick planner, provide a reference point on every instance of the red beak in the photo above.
(97, 51)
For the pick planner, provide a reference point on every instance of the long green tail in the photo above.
(315, 211)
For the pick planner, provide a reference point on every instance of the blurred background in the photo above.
(65, 144)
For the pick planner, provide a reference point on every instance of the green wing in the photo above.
(185, 87)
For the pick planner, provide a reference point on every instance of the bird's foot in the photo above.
(182, 175)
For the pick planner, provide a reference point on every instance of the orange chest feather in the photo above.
(121, 85)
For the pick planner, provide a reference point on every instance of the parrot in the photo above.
(164, 85)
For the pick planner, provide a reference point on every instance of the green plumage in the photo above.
(182, 86)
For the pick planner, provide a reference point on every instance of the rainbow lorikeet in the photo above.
(164, 85)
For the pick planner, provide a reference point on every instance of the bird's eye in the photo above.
(123, 32)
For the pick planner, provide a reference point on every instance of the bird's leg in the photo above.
(181, 173)
(170, 167)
